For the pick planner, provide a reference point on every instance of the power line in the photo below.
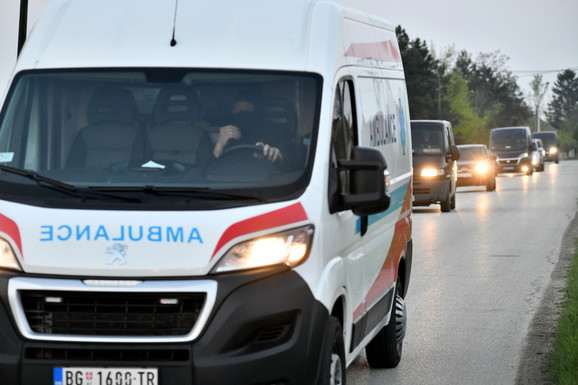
(542, 72)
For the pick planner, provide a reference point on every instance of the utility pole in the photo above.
(22, 25)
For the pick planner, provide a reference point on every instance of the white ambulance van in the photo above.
(203, 192)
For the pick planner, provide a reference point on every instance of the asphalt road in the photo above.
(479, 275)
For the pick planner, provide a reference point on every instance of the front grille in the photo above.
(506, 162)
(111, 314)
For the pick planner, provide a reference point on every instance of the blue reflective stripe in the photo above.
(397, 197)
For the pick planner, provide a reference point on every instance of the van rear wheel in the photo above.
(384, 350)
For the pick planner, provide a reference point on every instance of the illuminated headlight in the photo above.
(534, 159)
(524, 155)
(431, 172)
(553, 150)
(290, 248)
(482, 168)
(7, 257)
(525, 168)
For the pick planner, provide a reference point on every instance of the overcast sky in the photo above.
(536, 35)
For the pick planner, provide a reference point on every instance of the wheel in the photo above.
(491, 184)
(446, 204)
(332, 370)
(530, 170)
(384, 350)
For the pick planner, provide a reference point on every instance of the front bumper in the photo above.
(504, 165)
(264, 328)
(430, 191)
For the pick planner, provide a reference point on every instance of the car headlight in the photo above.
(524, 155)
(7, 257)
(482, 168)
(534, 159)
(290, 248)
(553, 150)
(431, 172)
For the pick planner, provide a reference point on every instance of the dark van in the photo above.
(513, 147)
(551, 145)
(434, 163)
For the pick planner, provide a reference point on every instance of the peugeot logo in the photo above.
(118, 252)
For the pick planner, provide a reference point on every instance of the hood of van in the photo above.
(135, 244)
(428, 161)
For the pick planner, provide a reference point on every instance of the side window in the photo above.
(343, 139)
(344, 125)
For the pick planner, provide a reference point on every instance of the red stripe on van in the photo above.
(385, 51)
(285, 216)
(10, 228)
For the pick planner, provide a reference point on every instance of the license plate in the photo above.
(464, 175)
(106, 376)
(508, 168)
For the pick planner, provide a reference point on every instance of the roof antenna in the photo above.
(173, 41)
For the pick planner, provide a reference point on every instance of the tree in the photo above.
(421, 76)
(468, 127)
(565, 100)
(539, 89)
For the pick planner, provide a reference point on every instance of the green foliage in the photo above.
(475, 95)
(563, 360)
(468, 127)
(565, 101)
(422, 80)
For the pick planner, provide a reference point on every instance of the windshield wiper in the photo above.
(186, 192)
(62, 187)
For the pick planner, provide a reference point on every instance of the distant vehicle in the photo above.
(513, 147)
(476, 166)
(538, 155)
(434, 163)
(551, 145)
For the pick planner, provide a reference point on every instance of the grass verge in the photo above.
(563, 360)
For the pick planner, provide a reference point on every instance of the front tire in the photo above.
(384, 350)
(446, 204)
(332, 369)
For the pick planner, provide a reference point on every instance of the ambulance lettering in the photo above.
(169, 234)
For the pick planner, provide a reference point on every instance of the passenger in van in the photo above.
(248, 126)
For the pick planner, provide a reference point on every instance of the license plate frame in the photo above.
(105, 376)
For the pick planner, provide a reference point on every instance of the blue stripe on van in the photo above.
(396, 203)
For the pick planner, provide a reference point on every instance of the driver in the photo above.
(248, 127)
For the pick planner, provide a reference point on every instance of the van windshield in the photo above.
(234, 133)
(427, 139)
(509, 140)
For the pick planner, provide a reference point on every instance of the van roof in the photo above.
(299, 35)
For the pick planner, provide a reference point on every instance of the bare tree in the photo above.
(538, 91)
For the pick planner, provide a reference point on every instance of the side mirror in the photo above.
(367, 182)
(455, 153)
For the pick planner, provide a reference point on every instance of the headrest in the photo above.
(176, 104)
(111, 104)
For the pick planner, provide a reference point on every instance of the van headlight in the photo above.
(289, 248)
(7, 257)
(553, 150)
(431, 172)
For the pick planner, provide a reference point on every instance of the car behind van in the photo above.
(476, 166)
(551, 145)
(434, 163)
(513, 148)
(133, 252)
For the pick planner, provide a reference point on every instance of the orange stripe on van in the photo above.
(282, 217)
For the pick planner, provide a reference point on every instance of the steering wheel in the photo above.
(243, 147)
(279, 164)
